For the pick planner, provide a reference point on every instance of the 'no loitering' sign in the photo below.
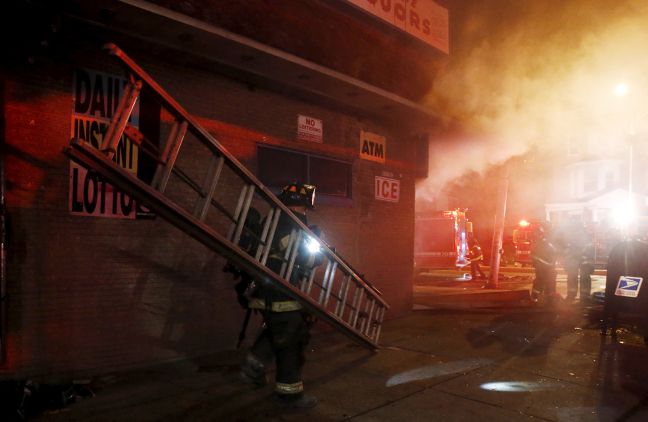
(309, 129)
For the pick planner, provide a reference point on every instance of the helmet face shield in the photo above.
(309, 195)
(298, 194)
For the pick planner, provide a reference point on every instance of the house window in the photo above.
(278, 167)
(609, 178)
(590, 180)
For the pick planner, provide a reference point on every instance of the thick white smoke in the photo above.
(526, 74)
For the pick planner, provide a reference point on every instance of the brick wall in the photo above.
(90, 295)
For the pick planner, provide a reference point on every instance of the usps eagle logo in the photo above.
(628, 286)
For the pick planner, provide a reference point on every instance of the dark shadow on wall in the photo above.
(191, 300)
(17, 252)
(3, 229)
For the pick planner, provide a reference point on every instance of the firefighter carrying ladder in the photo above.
(214, 209)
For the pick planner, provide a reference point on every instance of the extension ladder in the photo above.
(207, 193)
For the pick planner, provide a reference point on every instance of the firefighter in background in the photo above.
(576, 239)
(572, 263)
(543, 256)
(586, 270)
(476, 256)
(286, 326)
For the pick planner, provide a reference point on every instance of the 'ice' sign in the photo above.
(387, 189)
(628, 286)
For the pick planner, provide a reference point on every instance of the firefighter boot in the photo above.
(253, 371)
(295, 401)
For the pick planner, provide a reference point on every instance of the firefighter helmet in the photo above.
(297, 193)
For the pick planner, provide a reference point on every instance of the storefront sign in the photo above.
(96, 97)
(372, 147)
(387, 189)
(423, 19)
(309, 129)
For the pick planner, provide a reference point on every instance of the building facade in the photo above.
(94, 282)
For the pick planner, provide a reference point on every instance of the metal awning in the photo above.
(256, 61)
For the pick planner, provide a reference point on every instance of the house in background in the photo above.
(601, 185)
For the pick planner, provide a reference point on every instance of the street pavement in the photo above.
(454, 289)
(502, 363)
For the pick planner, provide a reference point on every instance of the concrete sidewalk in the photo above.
(519, 364)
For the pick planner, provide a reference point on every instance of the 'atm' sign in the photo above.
(387, 189)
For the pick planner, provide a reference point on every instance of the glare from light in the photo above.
(436, 370)
(624, 214)
(312, 245)
(516, 386)
(524, 223)
(620, 90)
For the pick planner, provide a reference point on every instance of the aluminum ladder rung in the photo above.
(169, 155)
(120, 119)
(241, 212)
(329, 284)
(344, 289)
(209, 187)
(268, 240)
(291, 255)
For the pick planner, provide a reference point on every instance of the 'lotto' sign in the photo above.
(387, 189)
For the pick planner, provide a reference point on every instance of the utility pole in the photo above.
(498, 229)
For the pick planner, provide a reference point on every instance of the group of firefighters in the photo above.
(574, 250)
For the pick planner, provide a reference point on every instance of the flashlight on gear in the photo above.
(312, 245)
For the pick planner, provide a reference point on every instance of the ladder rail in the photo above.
(208, 140)
(88, 156)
